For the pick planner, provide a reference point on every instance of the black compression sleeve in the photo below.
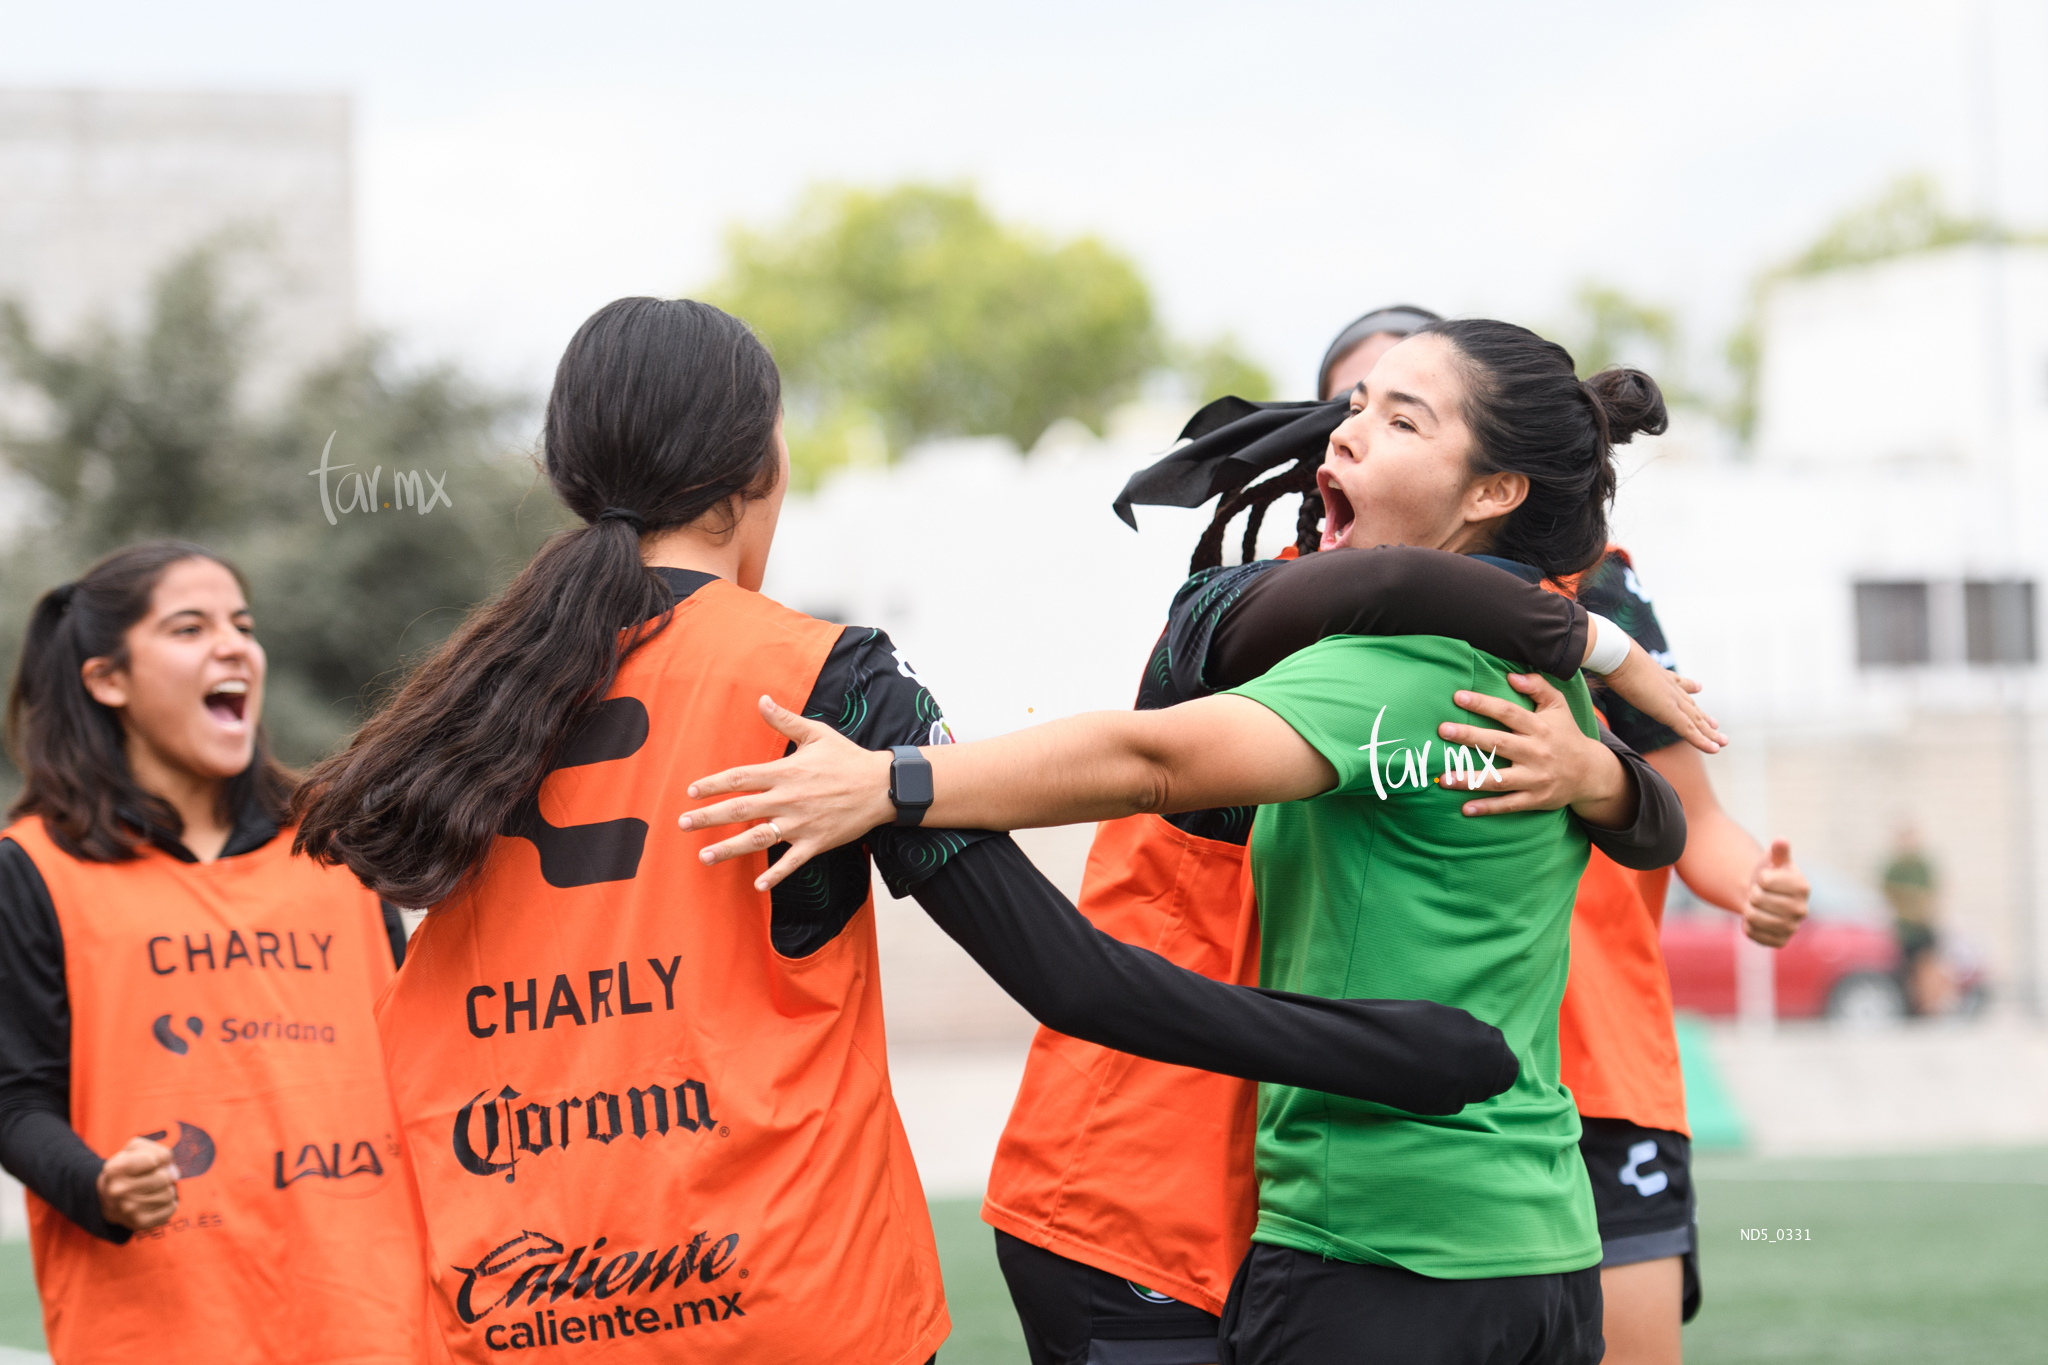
(1394, 590)
(38, 1146)
(1657, 838)
(1413, 1055)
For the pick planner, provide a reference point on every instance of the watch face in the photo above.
(910, 784)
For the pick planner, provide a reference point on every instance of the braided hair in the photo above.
(1298, 478)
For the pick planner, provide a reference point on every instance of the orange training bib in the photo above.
(639, 1131)
(1136, 1167)
(224, 1009)
(1617, 1048)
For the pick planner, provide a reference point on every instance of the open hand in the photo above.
(1666, 698)
(829, 792)
(138, 1186)
(1776, 904)
(1555, 764)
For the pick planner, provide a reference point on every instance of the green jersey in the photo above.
(1381, 888)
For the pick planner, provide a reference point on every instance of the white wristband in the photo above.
(1610, 645)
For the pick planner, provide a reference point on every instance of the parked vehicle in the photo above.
(1842, 964)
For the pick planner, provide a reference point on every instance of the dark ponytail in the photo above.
(1529, 414)
(71, 750)
(663, 413)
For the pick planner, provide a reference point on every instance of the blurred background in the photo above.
(1001, 254)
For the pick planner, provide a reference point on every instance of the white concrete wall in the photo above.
(100, 189)
(1007, 582)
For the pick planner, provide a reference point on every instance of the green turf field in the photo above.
(21, 1318)
(1912, 1260)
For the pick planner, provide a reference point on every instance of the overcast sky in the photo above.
(1274, 168)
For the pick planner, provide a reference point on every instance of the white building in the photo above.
(1857, 595)
(1861, 595)
(99, 190)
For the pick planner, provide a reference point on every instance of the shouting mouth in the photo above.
(228, 702)
(1338, 515)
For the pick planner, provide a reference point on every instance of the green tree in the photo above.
(1612, 327)
(910, 313)
(1221, 368)
(1905, 218)
(143, 436)
(146, 435)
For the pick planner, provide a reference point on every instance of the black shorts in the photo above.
(1642, 1191)
(1290, 1308)
(1075, 1314)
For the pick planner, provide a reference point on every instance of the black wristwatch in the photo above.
(910, 784)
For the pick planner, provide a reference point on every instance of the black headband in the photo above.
(1402, 320)
(1231, 442)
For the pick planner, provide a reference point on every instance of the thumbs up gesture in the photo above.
(1777, 897)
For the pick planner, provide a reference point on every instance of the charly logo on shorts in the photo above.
(539, 1127)
(1646, 1183)
(544, 1298)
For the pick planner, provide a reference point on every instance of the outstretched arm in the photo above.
(1219, 751)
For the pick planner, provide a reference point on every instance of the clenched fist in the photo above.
(139, 1185)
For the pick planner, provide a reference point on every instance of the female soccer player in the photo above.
(642, 1094)
(1619, 1049)
(1381, 1235)
(184, 996)
(1122, 1191)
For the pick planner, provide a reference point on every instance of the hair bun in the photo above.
(1631, 402)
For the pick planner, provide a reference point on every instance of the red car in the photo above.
(1842, 964)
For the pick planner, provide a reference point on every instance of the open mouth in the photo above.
(1338, 515)
(228, 702)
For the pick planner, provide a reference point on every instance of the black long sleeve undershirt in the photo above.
(1394, 590)
(1657, 837)
(38, 1145)
(1414, 1055)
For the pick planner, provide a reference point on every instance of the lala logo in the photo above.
(1464, 765)
(316, 1162)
